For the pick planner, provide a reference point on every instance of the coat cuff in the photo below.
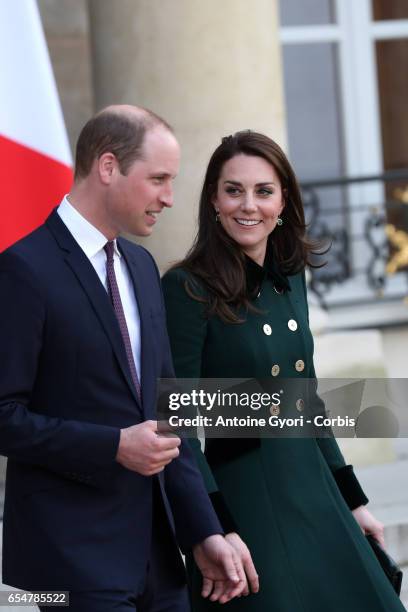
(350, 488)
(224, 515)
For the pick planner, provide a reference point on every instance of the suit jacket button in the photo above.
(292, 325)
(300, 405)
(300, 365)
(267, 329)
(274, 410)
(275, 370)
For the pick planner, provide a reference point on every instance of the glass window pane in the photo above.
(313, 109)
(314, 127)
(306, 12)
(392, 59)
(392, 62)
(390, 9)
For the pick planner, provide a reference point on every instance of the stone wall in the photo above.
(66, 27)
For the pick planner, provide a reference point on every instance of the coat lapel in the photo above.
(97, 295)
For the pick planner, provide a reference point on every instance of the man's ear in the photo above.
(107, 165)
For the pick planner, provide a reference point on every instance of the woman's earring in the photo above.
(279, 221)
(217, 215)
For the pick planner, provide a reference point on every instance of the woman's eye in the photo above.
(266, 192)
(232, 190)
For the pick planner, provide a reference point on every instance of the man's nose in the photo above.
(166, 196)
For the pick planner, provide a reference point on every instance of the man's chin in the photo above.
(142, 231)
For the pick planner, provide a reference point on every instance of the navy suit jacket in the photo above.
(74, 518)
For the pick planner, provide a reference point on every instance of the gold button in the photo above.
(300, 365)
(292, 325)
(300, 405)
(267, 329)
(275, 370)
(274, 410)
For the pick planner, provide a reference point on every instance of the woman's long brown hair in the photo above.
(215, 260)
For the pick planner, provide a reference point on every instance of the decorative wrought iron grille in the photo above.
(364, 222)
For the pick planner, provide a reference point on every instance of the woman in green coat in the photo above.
(237, 308)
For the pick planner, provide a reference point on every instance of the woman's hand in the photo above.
(369, 524)
(221, 568)
(243, 552)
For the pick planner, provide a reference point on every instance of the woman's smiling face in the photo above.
(249, 200)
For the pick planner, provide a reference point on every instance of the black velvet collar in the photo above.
(256, 274)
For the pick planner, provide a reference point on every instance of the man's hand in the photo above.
(221, 567)
(369, 524)
(249, 568)
(143, 450)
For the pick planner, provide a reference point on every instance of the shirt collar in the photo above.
(256, 274)
(89, 238)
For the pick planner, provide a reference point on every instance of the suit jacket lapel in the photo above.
(98, 297)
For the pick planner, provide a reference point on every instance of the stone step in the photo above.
(396, 541)
(404, 590)
(386, 486)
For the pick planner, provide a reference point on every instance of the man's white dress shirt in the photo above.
(92, 241)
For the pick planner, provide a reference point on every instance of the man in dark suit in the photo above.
(96, 500)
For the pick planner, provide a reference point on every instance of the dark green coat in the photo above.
(283, 494)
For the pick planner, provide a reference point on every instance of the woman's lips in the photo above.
(248, 222)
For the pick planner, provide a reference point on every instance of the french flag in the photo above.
(35, 158)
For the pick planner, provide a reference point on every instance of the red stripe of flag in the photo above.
(31, 186)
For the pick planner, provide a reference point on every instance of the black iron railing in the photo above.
(345, 220)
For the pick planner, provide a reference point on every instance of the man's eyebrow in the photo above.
(161, 174)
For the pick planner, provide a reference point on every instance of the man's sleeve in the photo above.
(192, 495)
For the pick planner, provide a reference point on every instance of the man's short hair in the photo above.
(119, 133)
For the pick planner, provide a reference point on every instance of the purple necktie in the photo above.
(120, 313)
